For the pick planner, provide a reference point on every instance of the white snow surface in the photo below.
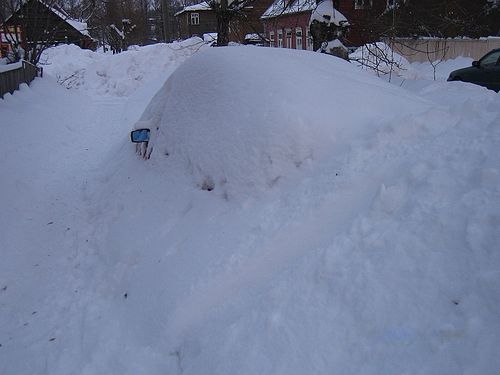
(353, 226)
(13, 66)
(115, 75)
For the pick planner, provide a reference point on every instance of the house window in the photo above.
(280, 38)
(195, 18)
(272, 42)
(363, 4)
(309, 41)
(288, 38)
(298, 38)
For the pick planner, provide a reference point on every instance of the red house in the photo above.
(286, 22)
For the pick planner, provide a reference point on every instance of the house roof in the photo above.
(282, 7)
(195, 8)
(79, 26)
(323, 12)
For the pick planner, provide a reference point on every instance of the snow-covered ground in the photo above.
(352, 225)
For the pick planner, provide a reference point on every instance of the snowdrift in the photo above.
(242, 119)
(105, 74)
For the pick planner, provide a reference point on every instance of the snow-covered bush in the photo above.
(380, 58)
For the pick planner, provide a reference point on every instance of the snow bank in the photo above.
(115, 75)
(381, 59)
(219, 116)
(425, 70)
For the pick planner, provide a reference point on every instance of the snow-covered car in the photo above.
(485, 72)
(238, 120)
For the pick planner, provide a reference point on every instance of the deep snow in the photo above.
(375, 251)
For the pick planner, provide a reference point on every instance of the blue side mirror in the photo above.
(140, 135)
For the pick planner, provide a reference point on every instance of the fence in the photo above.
(421, 50)
(11, 79)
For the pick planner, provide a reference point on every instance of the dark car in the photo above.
(485, 72)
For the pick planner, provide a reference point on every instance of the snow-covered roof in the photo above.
(326, 12)
(81, 27)
(280, 7)
(195, 8)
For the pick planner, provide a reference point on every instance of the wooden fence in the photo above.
(10, 80)
(434, 49)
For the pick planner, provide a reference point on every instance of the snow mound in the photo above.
(443, 68)
(381, 59)
(115, 75)
(219, 117)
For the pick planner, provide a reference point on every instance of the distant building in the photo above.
(196, 20)
(35, 22)
(200, 19)
(286, 22)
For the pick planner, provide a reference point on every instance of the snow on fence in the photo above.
(12, 77)
(434, 49)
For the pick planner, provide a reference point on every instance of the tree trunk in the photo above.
(223, 19)
(166, 24)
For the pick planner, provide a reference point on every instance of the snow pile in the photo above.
(115, 75)
(219, 116)
(443, 68)
(210, 37)
(381, 59)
